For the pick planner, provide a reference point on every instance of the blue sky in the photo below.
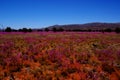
(42, 13)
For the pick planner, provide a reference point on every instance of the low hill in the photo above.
(87, 26)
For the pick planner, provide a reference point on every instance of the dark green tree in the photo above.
(60, 29)
(29, 30)
(46, 29)
(108, 30)
(8, 29)
(54, 29)
(117, 30)
(24, 29)
(20, 30)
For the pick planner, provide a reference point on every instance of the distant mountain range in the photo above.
(91, 26)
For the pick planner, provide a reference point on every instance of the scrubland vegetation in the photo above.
(59, 56)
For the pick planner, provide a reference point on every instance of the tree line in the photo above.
(9, 29)
(54, 29)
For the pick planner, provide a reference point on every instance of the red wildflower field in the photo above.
(59, 56)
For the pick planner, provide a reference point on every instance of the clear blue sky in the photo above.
(42, 13)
